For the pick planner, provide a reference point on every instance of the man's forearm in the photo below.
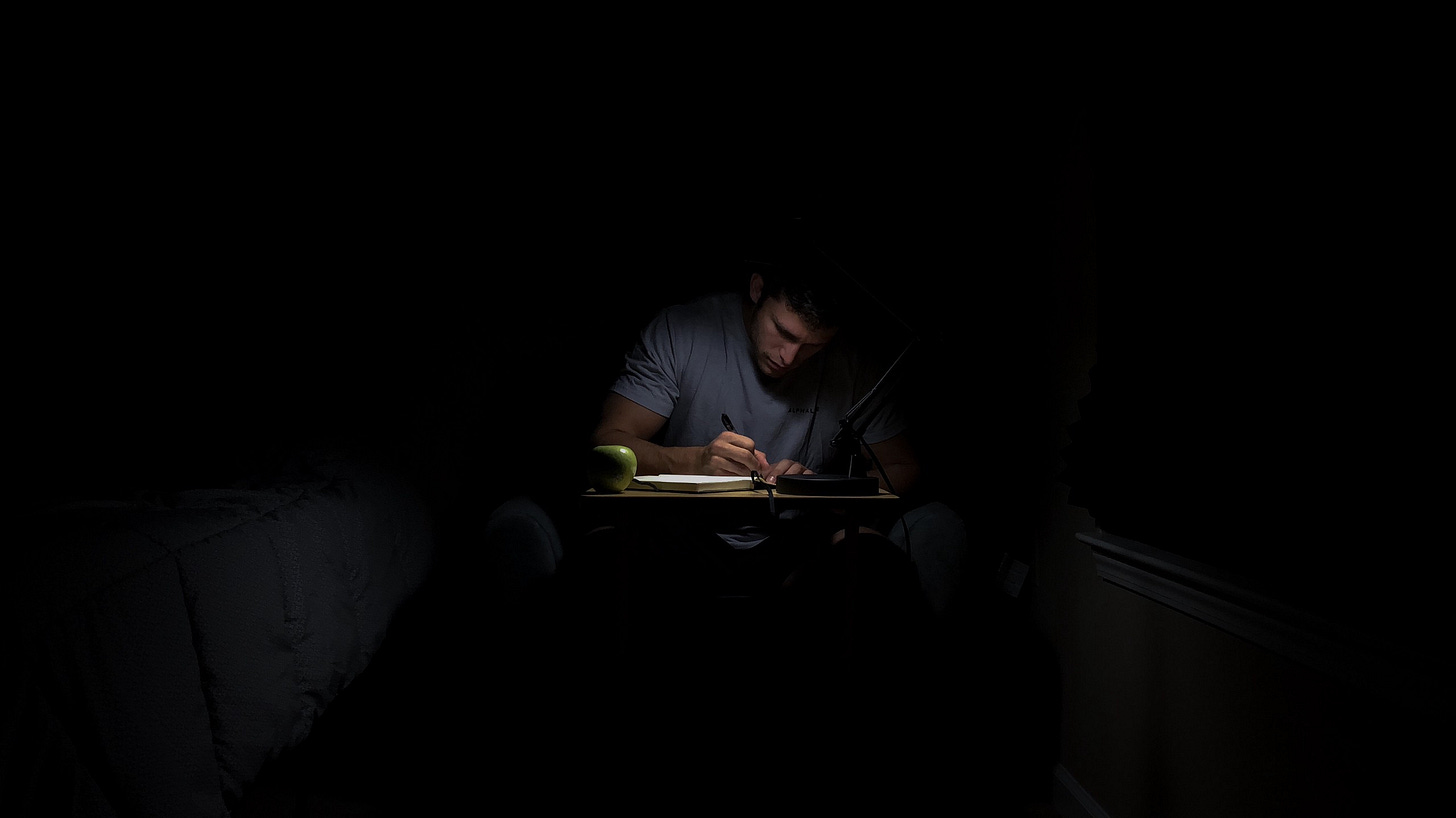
(651, 458)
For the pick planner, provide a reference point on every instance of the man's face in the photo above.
(781, 341)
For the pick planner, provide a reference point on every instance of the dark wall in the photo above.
(207, 305)
(1265, 349)
(206, 349)
(476, 349)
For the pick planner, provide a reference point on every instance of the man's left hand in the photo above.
(784, 467)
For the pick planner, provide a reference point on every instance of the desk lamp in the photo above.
(846, 485)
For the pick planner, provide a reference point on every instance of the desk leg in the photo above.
(622, 591)
(602, 591)
(851, 546)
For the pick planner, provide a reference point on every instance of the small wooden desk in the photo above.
(740, 494)
(625, 506)
(634, 508)
(626, 509)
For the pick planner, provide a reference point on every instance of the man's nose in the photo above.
(791, 352)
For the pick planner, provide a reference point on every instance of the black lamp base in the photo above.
(827, 485)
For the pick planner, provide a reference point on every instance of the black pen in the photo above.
(728, 424)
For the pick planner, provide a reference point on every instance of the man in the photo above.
(772, 361)
(781, 361)
(773, 641)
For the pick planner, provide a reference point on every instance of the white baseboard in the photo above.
(1070, 800)
(1227, 603)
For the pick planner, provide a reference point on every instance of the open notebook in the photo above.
(694, 483)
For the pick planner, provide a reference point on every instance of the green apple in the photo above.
(610, 469)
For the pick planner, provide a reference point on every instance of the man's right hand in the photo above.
(732, 453)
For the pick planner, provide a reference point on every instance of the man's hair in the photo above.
(810, 283)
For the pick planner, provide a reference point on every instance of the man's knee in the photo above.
(936, 540)
(521, 548)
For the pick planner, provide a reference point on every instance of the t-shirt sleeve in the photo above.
(885, 417)
(648, 377)
(890, 421)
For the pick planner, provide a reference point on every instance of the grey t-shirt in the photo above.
(692, 365)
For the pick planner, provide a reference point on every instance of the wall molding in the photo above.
(1070, 800)
(1229, 604)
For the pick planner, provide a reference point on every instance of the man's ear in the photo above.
(755, 287)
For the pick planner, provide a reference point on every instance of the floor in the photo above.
(464, 707)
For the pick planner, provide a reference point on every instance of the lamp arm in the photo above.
(846, 423)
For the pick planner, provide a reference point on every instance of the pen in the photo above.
(728, 424)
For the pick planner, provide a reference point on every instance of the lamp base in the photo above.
(827, 485)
